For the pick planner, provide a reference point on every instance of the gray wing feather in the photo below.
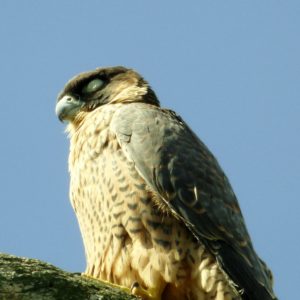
(181, 169)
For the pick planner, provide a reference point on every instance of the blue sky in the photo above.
(231, 69)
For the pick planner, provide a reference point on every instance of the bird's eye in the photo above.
(93, 86)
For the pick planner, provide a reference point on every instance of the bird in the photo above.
(156, 212)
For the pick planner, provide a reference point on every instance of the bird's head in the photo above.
(87, 91)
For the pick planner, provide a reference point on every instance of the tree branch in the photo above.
(31, 279)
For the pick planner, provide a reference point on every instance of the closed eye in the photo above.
(93, 86)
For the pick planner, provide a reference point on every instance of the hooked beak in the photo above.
(67, 108)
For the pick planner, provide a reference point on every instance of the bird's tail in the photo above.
(253, 279)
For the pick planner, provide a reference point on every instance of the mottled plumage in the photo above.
(155, 209)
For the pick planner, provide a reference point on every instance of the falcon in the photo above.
(156, 212)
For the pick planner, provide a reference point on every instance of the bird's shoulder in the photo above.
(147, 118)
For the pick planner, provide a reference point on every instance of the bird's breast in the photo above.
(127, 236)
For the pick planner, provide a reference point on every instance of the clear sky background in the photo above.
(231, 69)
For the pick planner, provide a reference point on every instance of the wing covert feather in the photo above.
(181, 169)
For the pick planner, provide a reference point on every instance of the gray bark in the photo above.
(31, 279)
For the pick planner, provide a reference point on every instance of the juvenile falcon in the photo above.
(156, 212)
